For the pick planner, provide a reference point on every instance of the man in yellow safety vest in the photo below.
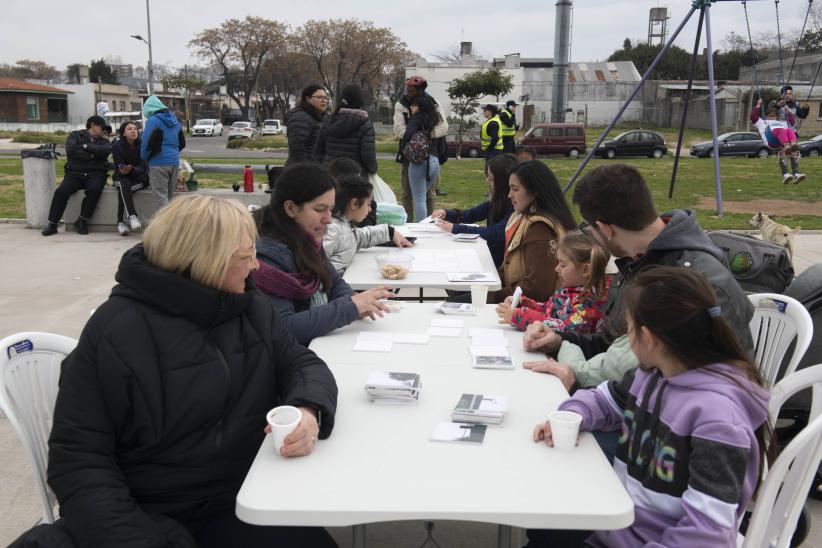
(509, 127)
(490, 137)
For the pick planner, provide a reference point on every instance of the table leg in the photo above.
(358, 536)
(504, 536)
(421, 298)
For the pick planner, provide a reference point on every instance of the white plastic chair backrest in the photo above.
(781, 498)
(777, 320)
(29, 374)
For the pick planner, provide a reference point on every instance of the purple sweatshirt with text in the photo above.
(688, 454)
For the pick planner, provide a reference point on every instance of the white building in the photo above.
(595, 90)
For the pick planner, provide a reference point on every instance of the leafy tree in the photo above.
(239, 48)
(183, 81)
(466, 91)
(674, 66)
(99, 71)
(73, 74)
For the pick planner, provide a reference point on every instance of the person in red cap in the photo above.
(415, 86)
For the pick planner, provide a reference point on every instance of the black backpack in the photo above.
(758, 266)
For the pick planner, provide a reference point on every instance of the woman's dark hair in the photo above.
(351, 186)
(500, 167)
(307, 92)
(121, 131)
(680, 308)
(299, 183)
(427, 115)
(343, 166)
(539, 180)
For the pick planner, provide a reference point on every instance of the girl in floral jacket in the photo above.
(578, 304)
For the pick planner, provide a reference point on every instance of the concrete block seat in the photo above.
(105, 215)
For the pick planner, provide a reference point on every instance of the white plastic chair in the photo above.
(781, 498)
(777, 320)
(29, 373)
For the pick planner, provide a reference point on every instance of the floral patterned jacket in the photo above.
(569, 309)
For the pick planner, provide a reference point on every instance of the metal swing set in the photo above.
(703, 6)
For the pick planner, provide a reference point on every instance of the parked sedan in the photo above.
(208, 127)
(272, 127)
(812, 147)
(633, 143)
(471, 145)
(241, 130)
(736, 143)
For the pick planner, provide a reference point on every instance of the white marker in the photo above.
(515, 299)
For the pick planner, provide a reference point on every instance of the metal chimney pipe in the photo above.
(562, 48)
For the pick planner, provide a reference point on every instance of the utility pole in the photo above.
(150, 60)
(188, 105)
(562, 53)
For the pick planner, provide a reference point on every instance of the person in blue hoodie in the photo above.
(162, 141)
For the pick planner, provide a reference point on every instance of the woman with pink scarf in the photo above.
(295, 273)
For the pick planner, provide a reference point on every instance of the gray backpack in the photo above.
(758, 266)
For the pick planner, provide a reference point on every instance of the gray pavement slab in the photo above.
(52, 284)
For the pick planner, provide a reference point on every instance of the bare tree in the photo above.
(282, 77)
(350, 50)
(239, 48)
(29, 68)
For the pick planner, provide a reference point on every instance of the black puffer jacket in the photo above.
(123, 154)
(86, 154)
(162, 404)
(303, 123)
(348, 134)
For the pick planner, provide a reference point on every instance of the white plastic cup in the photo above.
(282, 420)
(479, 294)
(564, 429)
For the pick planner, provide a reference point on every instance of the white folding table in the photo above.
(364, 274)
(379, 464)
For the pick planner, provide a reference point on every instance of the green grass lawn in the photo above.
(385, 143)
(743, 179)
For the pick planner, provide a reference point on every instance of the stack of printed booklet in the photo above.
(390, 387)
(480, 408)
(472, 415)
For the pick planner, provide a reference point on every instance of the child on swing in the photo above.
(779, 134)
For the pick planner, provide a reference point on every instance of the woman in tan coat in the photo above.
(541, 216)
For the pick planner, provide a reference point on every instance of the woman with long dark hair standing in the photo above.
(295, 273)
(348, 133)
(541, 216)
(303, 123)
(421, 171)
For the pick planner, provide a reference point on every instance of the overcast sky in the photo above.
(60, 32)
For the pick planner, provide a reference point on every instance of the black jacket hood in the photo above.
(176, 294)
(346, 122)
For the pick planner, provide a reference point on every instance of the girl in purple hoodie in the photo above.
(693, 419)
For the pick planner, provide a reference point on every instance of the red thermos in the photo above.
(248, 179)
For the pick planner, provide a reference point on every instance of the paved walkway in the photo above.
(51, 284)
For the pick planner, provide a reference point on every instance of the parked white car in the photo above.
(208, 127)
(272, 127)
(241, 130)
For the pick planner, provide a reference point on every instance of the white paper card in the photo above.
(444, 331)
(373, 345)
(485, 350)
(487, 337)
(446, 322)
(411, 338)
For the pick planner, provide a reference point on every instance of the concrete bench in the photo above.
(105, 215)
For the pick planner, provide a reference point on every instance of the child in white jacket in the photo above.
(342, 237)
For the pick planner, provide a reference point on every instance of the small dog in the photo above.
(775, 233)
